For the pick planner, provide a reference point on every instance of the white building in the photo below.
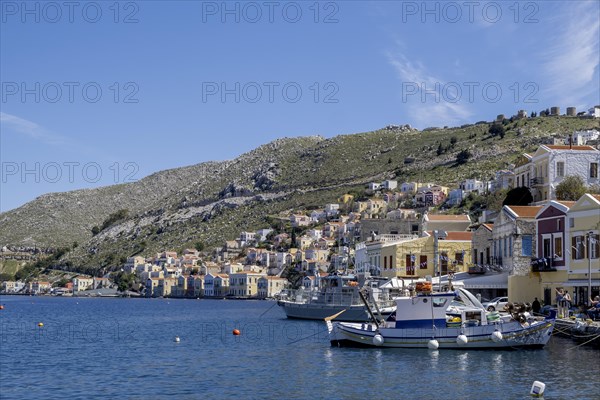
(389, 185)
(81, 283)
(247, 238)
(594, 112)
(504, 180)
(581, 138)
(262, 234)
(552, 163)
(373, 186)
(472, 185)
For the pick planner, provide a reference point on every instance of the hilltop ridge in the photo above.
(213, 201)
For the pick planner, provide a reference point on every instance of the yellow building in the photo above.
(269, 286)
(415, 258)
(244, 284)
(346, 198)
(583, 231)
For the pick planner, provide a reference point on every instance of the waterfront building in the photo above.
(269, 286)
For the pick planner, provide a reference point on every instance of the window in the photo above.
(526, 245)
(560, 168)
(558, 252)
(505, 248)
(594, 245)
(593, 170)
(459, 257)
(547, 248)
(422, 262)
(577, 248)
(571, 222)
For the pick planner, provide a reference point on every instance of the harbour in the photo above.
(105, 347)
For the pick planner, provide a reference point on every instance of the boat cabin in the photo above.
(426, 310)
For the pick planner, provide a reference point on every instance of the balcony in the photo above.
(537, 181)
(542, 265)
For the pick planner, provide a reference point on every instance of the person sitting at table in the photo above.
(594, 311)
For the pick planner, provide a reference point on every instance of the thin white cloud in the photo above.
(428, 106)
(571, 57)
(28, 128)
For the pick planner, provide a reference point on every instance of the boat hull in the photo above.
(514, 335)
(312, 311)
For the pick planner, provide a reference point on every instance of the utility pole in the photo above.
(589, 254)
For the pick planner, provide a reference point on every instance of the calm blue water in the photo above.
(109, 348)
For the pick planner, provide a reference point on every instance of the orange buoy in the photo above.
(40, 324)
(236, 332)
(1, 307)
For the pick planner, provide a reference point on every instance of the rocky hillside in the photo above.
(213, 201)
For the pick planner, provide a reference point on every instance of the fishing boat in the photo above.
(453, 319)
(335, 293)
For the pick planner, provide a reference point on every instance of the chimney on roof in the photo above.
(570, 140)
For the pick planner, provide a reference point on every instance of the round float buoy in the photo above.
(433, 344)
(236, 332)
(496, 336)
(1, 307)
(378, 340)
(40, 324)
(462, 340)
(177, 340)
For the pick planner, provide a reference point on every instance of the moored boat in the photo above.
(452, 320)
(338, 294)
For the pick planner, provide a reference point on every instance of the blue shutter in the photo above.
(526, 248)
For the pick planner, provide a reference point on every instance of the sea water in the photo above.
(125, 348)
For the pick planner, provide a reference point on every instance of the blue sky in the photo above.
(95, 94)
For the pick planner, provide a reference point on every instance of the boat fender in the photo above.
(378, 340)
(433, 344)
(462, 340)
(496, 336)
(537, 389)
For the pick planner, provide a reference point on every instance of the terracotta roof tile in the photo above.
(567, 147)
(459, 236)
(444, 217)
(525, 211)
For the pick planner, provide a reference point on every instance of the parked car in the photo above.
(496, 304)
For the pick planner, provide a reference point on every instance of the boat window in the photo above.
(439, 302)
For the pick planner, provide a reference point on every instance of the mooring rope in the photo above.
(591, 340)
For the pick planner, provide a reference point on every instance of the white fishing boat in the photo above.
(448, 320)
(335, 293)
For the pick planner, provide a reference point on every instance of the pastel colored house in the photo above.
(244, 284)
(269, 286)
(583, 232)
(221, 285)
(482, 248)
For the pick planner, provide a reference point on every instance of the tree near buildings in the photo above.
(520, 196)
(571, 188)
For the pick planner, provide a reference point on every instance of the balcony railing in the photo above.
(537, 181)
(542, 265)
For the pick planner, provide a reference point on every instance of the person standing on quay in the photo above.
(559, 302)
(566, 304)
(536, 306)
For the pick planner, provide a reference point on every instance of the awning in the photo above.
(486, 281)
(580, 282)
